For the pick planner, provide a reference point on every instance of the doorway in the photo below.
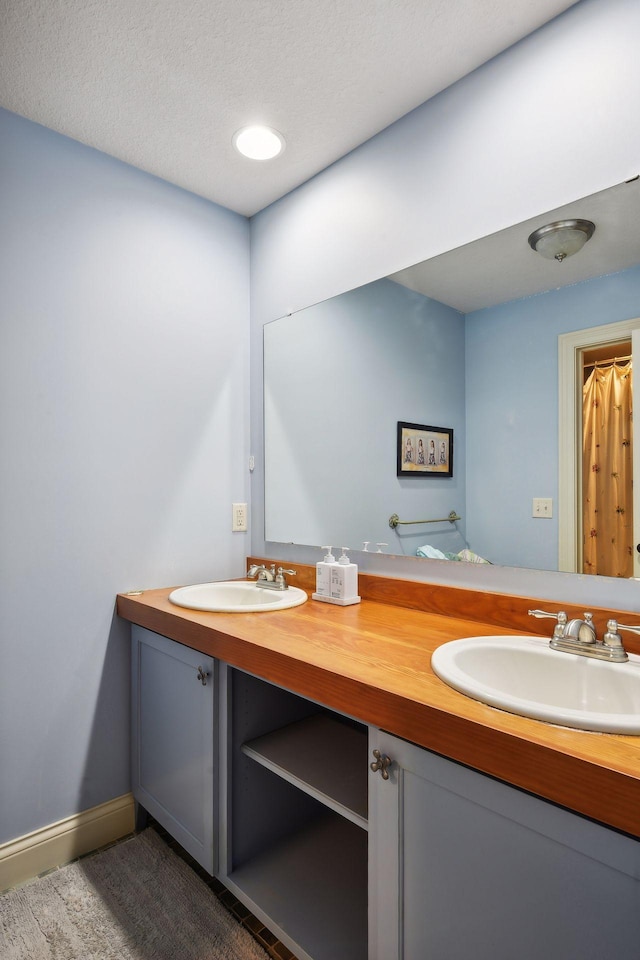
(605, 521)
(572, 348)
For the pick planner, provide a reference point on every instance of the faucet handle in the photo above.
(560, 617)
(612, 637)
(615, 626)
(612, 640)
(280, 576)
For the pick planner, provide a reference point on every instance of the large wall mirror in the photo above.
(467, 342)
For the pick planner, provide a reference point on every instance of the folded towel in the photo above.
(431, 553)
(471, 557)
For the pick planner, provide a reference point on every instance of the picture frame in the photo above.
(424, 451)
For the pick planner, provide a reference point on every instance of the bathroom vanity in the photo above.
(362, 809)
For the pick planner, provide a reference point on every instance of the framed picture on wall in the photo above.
(424, 451)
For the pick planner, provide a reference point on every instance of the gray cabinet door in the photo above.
(173, 749)
(465, 866)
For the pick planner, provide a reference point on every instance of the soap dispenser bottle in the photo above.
(344, 581)
(323, 576)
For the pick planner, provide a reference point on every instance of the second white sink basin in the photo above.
(236, 596)
(523, 675)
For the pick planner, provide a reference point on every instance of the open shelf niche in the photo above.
(299, 811)
(323, 756)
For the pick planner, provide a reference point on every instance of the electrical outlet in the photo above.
(238, 517)
(542, 508)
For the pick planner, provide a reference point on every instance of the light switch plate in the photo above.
(542, 508)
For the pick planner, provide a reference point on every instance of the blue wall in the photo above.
(341, 374)
(123, 441)
(512, 411)
(469, 162)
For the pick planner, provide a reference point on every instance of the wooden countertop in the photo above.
(372, 661)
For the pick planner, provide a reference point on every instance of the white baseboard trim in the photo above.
(60, 842)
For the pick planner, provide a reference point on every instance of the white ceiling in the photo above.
(164, 85)
(503, 267)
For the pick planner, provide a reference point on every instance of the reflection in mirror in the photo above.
(467, 341)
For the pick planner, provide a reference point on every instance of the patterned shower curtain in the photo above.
(607, 475)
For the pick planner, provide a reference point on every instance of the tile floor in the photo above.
(266, 939)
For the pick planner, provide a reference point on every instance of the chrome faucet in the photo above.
(581, 631)
(269, 578)
(262, 573)
(579, 637)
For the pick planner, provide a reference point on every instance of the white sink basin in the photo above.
(236, 596)
(523, 675)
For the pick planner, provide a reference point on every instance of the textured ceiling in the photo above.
(163, 85)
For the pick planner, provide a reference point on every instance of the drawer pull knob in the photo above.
(202, 676)
(382, 763)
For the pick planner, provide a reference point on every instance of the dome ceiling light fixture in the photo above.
(258, 142)
(559, 240)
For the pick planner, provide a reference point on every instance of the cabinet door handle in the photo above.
(382, 763)
(202, 676)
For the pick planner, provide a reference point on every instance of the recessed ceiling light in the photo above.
(258, 142)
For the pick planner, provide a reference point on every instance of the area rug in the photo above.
(136, 900)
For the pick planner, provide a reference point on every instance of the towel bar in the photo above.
(394, 520)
